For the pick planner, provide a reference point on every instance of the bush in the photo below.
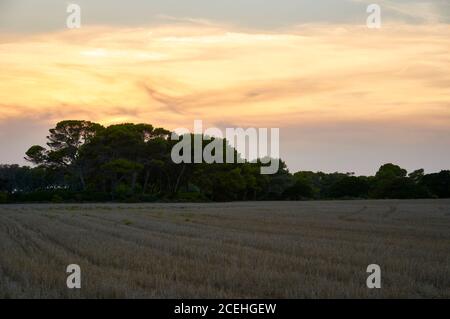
(3, 198)
(300, 190)
(438, 184)
(57, 199)
(350, 187)
(401, 188)
(123, 192)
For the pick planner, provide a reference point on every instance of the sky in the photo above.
(345, 97)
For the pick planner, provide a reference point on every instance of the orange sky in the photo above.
(170, 75)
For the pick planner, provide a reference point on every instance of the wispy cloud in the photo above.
(324, 86)
(421, 10)
(175, 73)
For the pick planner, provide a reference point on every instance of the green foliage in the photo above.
(390, 171)
(438, 184)
(417, 175)
(36, 154)
(401, 188)
(300, 190)
(350, 187)
(121, 166)
(84, 161)
(3, 198)
(391, 182)
(57, 199)
(123, 192)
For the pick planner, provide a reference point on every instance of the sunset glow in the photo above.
(171, 75)
(345, 97)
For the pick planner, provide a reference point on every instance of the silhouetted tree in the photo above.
(86, 161)
(437, 183)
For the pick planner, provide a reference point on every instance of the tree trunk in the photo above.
(147, 176)
(179, 179)
(133, 181)
(83, 183)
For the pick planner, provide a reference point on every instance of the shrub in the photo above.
(57, 199)
(300, 190)
(123, 192)
(3, 198)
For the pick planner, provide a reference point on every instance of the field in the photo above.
(232, 250)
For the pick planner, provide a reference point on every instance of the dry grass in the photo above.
(263, 250)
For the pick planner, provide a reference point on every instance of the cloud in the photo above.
(422, 11)
(308, 76)
(177, 73)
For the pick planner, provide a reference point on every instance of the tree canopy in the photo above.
(85, 161)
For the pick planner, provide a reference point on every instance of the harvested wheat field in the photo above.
(232, 250)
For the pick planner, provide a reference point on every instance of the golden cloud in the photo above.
(170, 75)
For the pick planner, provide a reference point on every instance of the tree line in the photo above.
(85, 161)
